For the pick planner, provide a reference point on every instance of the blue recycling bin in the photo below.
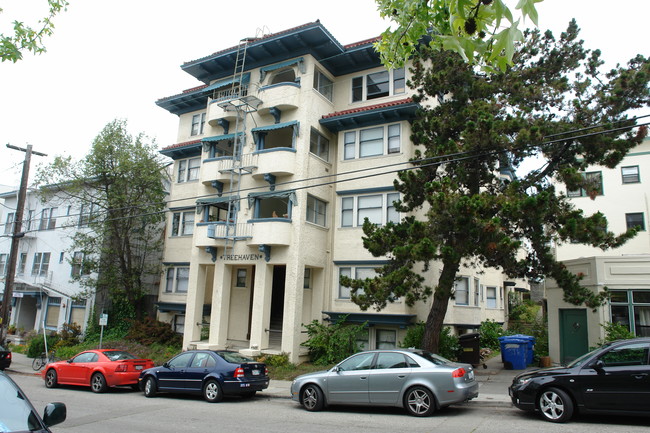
(514, 352)
(530, 354)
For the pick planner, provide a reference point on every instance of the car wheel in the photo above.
(312, 398)
(98, 383)
(419, 401)
(249, 394)
(555, 405)
(150, 387)
(212, 391)
(51, 379)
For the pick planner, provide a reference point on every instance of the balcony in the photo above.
(216, 234)
(202, 238)
(221, 168)
(282, 96)
(278, 161)
(271, 231)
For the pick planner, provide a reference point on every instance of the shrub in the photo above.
(281, 360)
(330, 344)
(449, 346)
(489, 333)
(616, 331)
(414, 336)
(36, 344)
(151, 331)
(69, 335)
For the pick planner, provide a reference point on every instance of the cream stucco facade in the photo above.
(276, 166)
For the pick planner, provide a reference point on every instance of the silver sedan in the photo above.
(419, 381)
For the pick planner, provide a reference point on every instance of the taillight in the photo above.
(266, 371)
(9, 355)
(459, 372)
(120, 368)
(239, 372)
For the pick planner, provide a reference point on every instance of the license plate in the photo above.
(138, 367)
(255, 372)
(470, 375)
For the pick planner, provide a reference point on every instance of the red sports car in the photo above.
(98, 369)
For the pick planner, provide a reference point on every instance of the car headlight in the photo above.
(523, 380)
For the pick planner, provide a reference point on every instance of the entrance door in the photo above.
(574, 339)
(277, 305)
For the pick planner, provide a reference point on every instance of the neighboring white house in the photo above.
(624, 199)
(43, 293)
(283, 149)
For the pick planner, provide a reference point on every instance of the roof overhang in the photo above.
(373, 115)
(400, 320)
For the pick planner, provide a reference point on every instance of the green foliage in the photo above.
(120, 320)
(69, 335)
(480, 31)
(36, 345)
(616, 331)
(449, 345)
(121, 180)
(414, 336)
(329, 344)
(150, 331)
(281, 360)
(522, 310)
(26, 38)
(489, 333)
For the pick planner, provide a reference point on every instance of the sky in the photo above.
(113, 59)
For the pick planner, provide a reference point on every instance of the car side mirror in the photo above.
(336, 369)
(599, 365)
(166, 365)
(54, 413)
(69, 361)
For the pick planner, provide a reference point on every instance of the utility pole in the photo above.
(5, 313)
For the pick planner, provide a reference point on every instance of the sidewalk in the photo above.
(493, 381)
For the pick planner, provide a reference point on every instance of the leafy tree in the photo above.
(26, 38)
(481, 31)
(473, 128)
(121, 181)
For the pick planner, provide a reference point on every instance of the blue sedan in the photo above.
(211, 373)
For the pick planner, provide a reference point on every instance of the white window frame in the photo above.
(3, 263)
(48, 219)
(630, 174)
(9, 225)
(319, 145)
(188, 169)
(198, 124)
(488, 304)
(183, 223)
(351, 217)
(462, 291)
(354, 144)
(41, 263)
(176, 280)
(316, 211)
(396, 79)
(355, 273)
(323, 84)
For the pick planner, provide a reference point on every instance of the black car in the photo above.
(211, 373)
(17, 414)
(613, 379)
(5, 358)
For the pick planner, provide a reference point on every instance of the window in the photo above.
(77, 261)
(623, 356)
(478, 296)
(630, 174)
(28, 221)
(285, 76)
(362, 361)
(273, 207)
(386, 339)
(635, 220)
(306, 284)
(198, 122)
(376, 141)
(85, 214)
(22, 261)
(594, 185)
(461, 291)
(491, 297)
(52, 314)
(78, 312)
(319, 145)
(3, 263)
(188, 169)
(177, 279)
(378, 85)
(61, 256)
(183, 223)
(378, 208)
(9, 226)
(316, 210)
(48, 219)
(179, 324)
(631, 308)
(323, 84)
(390, 360)
(241, 278)
(41, 263)
(355, 273)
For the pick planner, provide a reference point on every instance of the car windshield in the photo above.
(581, 359)
(432, 357)
(16, 413)
(234, 357)
(118, 355)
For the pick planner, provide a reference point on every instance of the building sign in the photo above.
(17, 295)
(241, 257)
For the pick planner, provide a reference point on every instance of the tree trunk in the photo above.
(436, 317)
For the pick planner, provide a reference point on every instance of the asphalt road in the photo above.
(125, 411)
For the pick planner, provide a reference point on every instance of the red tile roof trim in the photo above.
(185, 143)
(369, 108)
(193, 89)
(366, 42)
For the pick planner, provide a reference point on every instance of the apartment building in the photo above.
(622, 195)
(44, 295)
(288, 142)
